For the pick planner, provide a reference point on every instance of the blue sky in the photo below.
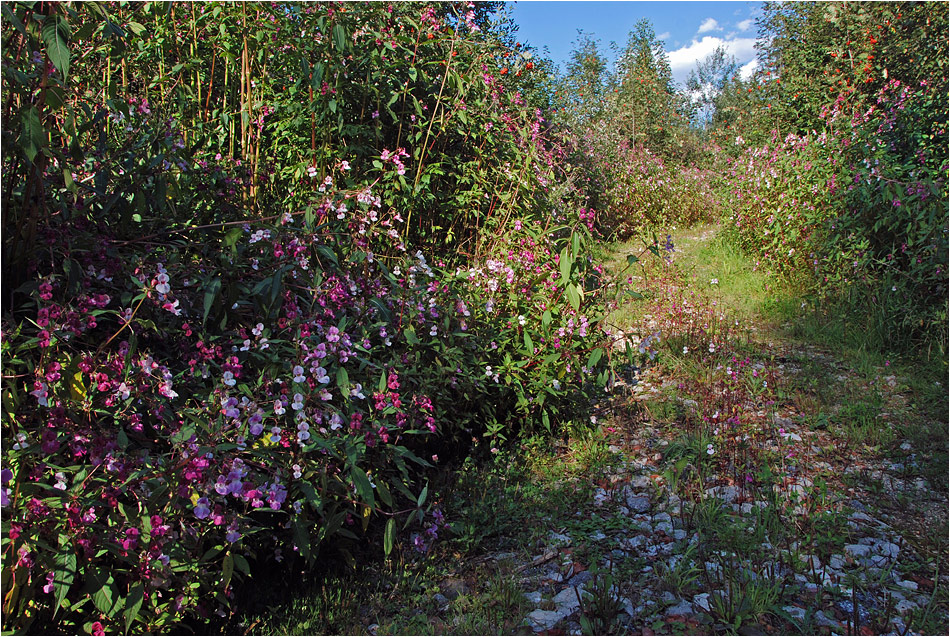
(690, 30)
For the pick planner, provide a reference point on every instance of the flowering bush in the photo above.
(179, 417)
(195, 389)
(861, 206)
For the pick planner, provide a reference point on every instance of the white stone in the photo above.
(857, 550)
(543, 619)
(533, 597)
(909, 585)
(701, 601)
(888, 549)
(796, 613)
(559, 539)
(683, 608)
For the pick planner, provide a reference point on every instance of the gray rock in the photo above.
(638, 503)
(682, 608)
(641, 482)
(857, 550)
(533, 597)
(580, 579)
(888, 549)
(452, 587)
(566, 600)
(909, 585)
(679, 534)
(796, 613)
(701, 601)
(543, 619)
(443, 601)
(559, 539)
(781, 421)
(823, 620)
(725, 493)
(904, 606)
(597, 536)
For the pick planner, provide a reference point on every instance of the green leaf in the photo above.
(133, 603)
(573, 296)
(136, 28)
(104, 593)
(384, 312)
(339, 37)
(528, 343)
(64, 575)
(384, 493)
(56, 37)
(227, 570)
(232, 237)
(9, 15)
(214, 288)
(631, 259)
(389, 535)
(33, 136)
(422, 496)
(363, 486)
(343, 380)
(411, 337)
(595, 357)
(546, 318)
(565, 266)
(241, 564)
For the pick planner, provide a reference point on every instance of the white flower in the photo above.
(521, 320)
(299, 376)
(685, 350)
(279, 408)
(713, 281)
(321, 375)
(434, 331)
(228, 378)
(556, 384)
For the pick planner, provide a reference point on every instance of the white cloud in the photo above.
(746, 71)
(663, 36)
(709, 24)
(684, 59)
(745, 25)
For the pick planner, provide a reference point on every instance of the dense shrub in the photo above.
(862, 207)
(234, 334)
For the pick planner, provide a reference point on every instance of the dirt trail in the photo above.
(762, 484)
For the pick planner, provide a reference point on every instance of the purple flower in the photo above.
(202, 508)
